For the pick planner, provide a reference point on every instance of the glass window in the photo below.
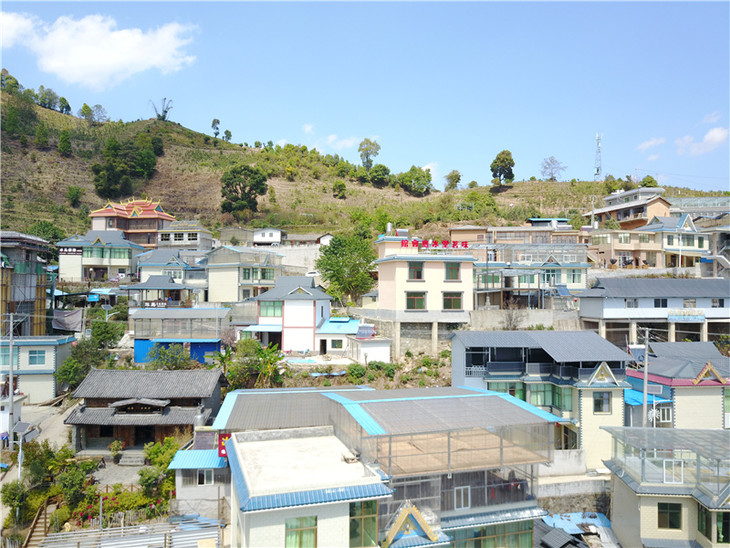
(415, 271)
(363, 524)
(601, 402)
(689, 303)
(516, 389)
(193, 236)
(550, 276)
(452, 301)
(462, 497)
(718, 303)
(541, 395)
(205, 477)
(701, 242)
(670, 239)
(526, 279)
(415, 300)
(246, 273)
(336, 344)
(453, 271)
(624, 238)
(37, 357)
(178, 236)
(688, 240)
(631, 303)
(301, 532)
(660, 303)
(670, 515)
(164, 237)
(645, 238)
(267, 273)
(704, 521)
(574, 276)
(723, 527)
(271, 309)
(566, 398)
(5, 356)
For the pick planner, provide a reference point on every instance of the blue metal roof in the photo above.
(197, 459)
(569, 522)
(185, 340)
(339, 326)
(362, 417)
(224, 413)
(414, 540)
(491, 518)
(316, 496)
(636, 397)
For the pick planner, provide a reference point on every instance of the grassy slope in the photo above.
(187, 181)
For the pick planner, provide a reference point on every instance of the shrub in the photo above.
(355, 372)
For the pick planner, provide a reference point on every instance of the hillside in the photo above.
(187, 180)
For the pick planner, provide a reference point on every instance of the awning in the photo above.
(262, 328)
(636, 397)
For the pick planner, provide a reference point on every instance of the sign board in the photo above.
(686, 315)
(222, 444)
(92, 298)
(654, 389)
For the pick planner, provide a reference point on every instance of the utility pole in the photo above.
(11, 392)
(646, 378)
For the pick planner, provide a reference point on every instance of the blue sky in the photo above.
(439, 85)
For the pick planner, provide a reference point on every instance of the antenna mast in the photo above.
(597, 170)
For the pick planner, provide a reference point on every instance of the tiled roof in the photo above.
(107, 416)
(300, 288)
(106, 238)
(125, 383)
(139, 209)
(658, 287)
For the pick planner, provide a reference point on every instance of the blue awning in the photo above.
(197, 459)
(262, 328)
(636, 397)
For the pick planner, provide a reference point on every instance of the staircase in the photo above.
(132, 457)
(41, 525)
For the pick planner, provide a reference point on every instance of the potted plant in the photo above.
(116, 448)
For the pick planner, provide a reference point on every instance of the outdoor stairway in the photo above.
(132, 458)
(41, 526)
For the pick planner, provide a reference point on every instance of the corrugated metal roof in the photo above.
(636, 397)
(335, 326)
(669, 543)
(179, 313)
(562, 346)
(294, 288)
(491, 518)
(659, 287)
(197, 459)
(316, 496)
(124, 383)
(709, 443)
(156, 282)
(107, 416)
(414, 540)
(692, 350)
(569, 522)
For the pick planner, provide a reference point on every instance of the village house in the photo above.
(239, 273)
(139, 220)
(631, 208)
(97, 256)
(185, 235)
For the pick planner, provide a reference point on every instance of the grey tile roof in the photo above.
(107, 416)
(691, 350)
(124, 384)
(562, 346)
(659, 287)
(300, 288)
(112, 238)
(159, 282)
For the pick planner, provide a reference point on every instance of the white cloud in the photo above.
(712, 118)
(433, 167)
(308, 128)
(653, 142)
(282, 142)
(93, 52)
(712, 139)
(653, 158)
(339, 144)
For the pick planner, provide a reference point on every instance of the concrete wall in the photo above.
(698, 407)
(573, 488)
(303, 257)
(566, 462)
(648, 507)
(597, 443)
(223, 284)
(269, 529)
(69, 268)
(624, 510)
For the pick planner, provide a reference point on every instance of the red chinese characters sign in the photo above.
(435, 244)
(222, 444)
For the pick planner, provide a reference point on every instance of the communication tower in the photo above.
(597, 170)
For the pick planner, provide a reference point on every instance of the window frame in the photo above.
(412, 299)
(206, 476)
(415, 271)
(718, 302)
(336, 344)
(462, 493)
(602, 402)
(294, 525)
(271, 309)
(34, 355)
(452, 272)
(670, 511)
(451, 297)
(660, 303)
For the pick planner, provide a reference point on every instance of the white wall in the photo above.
(268, 528)
(69, 268)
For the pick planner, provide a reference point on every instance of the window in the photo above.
(723, 527)
(193, 236)
(205, 477)
(688, 240)
(601, 402)
(550, 276)
(452, 301)
(462, 497)
(631, 303)
(516, 389)
(164, 237)
(541, 395)
(624, 238)
(301, 532)
(704, 521)
(665, 414)
(336, 344)
(267, 273)
(415, 300)
(178, 236)
(526, 279)
(645, 238)
(718, 303)
(453, 271)
(670, 515)
(415, 271)
(37, 357)
(271, 309)
(363, 524)
(5, 356)
(689, 303)
(574, 276)
(110, 223)
(516, 534)
(673, 471)
(566, 397)
(246, 273)
(660, 303)
(701, 242)
(670, 239)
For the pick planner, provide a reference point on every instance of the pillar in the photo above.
(703, 331)
(434, 338)
(672, 336)
(396, 341)
(632, 332)
(602, 328)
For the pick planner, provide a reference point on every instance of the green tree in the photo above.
(41, 136)
(368, 150)
(473, 184)
(379, 175)
(648, 181)
(72, 484)
(106, 334)
(64, 143)
(165, 108)
(453, 178)
(174, 357)
(551, 168)
(47, 98)
(242, 185)
(146, 162)
(611, 224)
(157, 145)
(47, 230)
(227, 135)
(87, 114)
(99, 114)
(416, 181)
(112, 179)
(215, 125)
(502, 167)
(339, 189)
(63, 106)
(345, 265)
(14, 496)
(84, 355)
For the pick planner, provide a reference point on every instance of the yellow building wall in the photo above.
(223, 284)
(597, 443)
(649, 509)
(624, 510)
(698, 407)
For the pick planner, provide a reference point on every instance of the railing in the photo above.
(539, 369)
